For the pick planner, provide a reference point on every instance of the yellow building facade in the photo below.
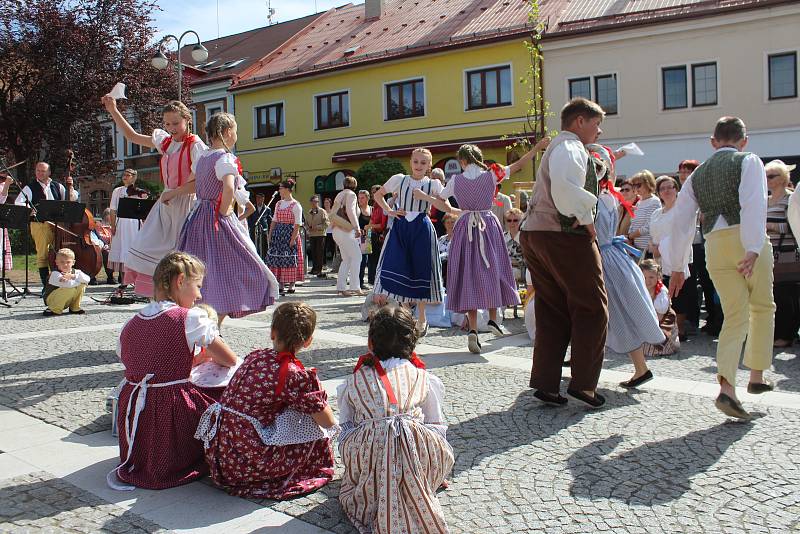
(309, 153)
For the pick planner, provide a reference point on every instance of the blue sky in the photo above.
(235, 16)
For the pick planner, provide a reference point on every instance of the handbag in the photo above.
(339, 219)
(787, 262)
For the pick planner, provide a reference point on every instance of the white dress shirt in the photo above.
(80, 278)
(567, 167)
(753, 212)
(26, 193)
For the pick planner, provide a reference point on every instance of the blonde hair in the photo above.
(132, 172)
(175, 106)
(471, 154)
(650, 265)
(438, 173)
(65, 253)
(513, 211)
(645, 177)
(293, 324)
(171, 266)
(212, 313)
(423, 150)
(783, 168)
(218, 124)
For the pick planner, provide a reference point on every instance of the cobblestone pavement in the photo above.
(38, 502)
(651, 461)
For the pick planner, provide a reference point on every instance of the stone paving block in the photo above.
(43, 503)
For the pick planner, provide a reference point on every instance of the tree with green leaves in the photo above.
(377, 171)
(58, 58)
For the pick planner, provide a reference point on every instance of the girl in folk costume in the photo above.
(159, 408)
(479, 275)
(5, 185)
(409, 269)
(285, 256)
(179, 151)
(269, 436)
(393, 442)
(659, 294)
(123, 230)
(632, 320)
(237, 281)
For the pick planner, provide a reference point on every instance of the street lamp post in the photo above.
(160, 61)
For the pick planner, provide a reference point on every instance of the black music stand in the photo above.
(135, 208)
(60, 211)
(11, 216)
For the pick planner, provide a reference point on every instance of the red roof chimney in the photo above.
(373, 9)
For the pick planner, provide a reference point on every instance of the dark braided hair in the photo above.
(293, 324)
(393, 333)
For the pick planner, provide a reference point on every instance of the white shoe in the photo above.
(497, 329)
(473, 343)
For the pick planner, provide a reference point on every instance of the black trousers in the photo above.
(372, 261)
(787, 310)
(700, 272)
(317, 245)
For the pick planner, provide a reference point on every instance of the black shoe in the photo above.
(595, 402)
(77, 312)
(44, 275)
(497, 329)
(636, 382)
(93, 281)
(49, 313)
(757, 388)
(566, 363)
(731, 407)
(322, 275)
(550, 398)
(683, 338)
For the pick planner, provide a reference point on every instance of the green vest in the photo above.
(590, 186)
(716, 188)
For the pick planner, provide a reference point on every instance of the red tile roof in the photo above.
(249, 46)
(343, 36)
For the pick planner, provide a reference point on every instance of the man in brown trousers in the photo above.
(558, 242)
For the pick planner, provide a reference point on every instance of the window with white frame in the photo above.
(698, 79)
(269, 120)
(213, 110)
(782, 74)
(332, 110)
(601, 88)
(405, 99)
(133, 148)
(489, 87)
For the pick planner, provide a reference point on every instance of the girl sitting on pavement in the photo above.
(653, 280)
(393, 444)
(269, 437)
(159, 407)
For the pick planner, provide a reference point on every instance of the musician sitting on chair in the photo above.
(65, 286)
(44, 188)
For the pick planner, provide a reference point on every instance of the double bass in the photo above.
(77, 236)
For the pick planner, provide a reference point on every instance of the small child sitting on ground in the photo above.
(393, 443)
(269, 437)
(653, 280)
(66, 286)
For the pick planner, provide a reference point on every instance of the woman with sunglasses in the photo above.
(660, 228)
(513, 217)
(644, 184)
(625, 218)
(787, 312)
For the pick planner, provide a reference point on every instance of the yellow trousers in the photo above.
(66, 297)
(747, 303)
(43, 237)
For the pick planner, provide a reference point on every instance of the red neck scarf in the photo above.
(659, 287)
(606, 184)
(188, 141)
(285, 359)
(372, 361)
